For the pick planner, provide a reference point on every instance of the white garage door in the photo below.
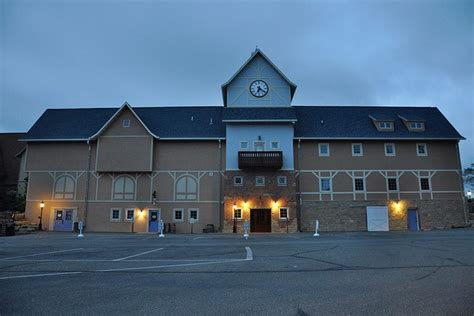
(377, 218)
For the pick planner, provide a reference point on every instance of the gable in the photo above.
(236, 92)
(115, 127)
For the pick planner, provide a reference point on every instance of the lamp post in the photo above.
(469, 193)
(234, 229)
(40, 225)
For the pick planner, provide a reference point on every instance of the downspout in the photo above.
(221, 206)
(461, 183)
(86, 197)
(298, 185)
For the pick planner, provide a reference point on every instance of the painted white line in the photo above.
(37, 275)
(198, 238)
(138, 254)
(43, 253)
(249, 253)
(171, 265)
(114, 260)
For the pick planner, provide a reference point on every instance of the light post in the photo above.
(40, 226)
(469, 193)
(234, 207)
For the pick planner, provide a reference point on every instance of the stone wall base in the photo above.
(351, 215)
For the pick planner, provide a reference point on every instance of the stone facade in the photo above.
(248, 196)
(351, 215)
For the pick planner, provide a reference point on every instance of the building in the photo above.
(12, 177)
(256, 158)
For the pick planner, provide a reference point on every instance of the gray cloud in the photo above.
(101, 53)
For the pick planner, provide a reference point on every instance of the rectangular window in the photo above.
(323, 150)
(260, 181)
(359, 184)
(282, 181)
(244, 145)
(238, 180)
(115, 214)
(357, 150)
(178, 215)
(416, 125)
(130, 214)
(421, 150)
(425, 184)
(238, 213)
(325, 184)
(392, 184)
(284, 213)
(259, 146)
(389, 149)
(275, 145)
(126, 123)
(193, 215)
(385, 125)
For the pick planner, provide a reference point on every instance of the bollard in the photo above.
(316, 234)
(161, 226)
(81, 226)
(246, 229)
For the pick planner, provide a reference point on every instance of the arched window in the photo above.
(64, 188)
(186, 188)
(124, 188)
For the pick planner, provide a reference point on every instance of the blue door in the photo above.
(63, 220)
(413, 219)
(153, 220)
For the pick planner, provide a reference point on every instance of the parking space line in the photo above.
(138, 254)
(43, 253)
(171, 265)
(37, 275)
(249, 253)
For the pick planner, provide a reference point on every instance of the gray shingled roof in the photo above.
(195, 122)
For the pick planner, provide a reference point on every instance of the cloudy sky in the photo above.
(151, 53)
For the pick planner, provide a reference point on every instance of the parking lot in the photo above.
(295, 274)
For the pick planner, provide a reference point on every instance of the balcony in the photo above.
(260, 159)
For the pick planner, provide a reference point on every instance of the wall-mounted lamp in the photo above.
(234, 206)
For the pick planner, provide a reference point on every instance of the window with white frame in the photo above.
(325, 184)
(124, 188)
(259, 146)
(244, 145)
(238, 180)
(275, 145)
(260, 181)
(283, 213)
(130, 214)
(193, 214)
(425, 184)
(323, 150)
(389, 149)
(392, 184)
(64, 188)
(126, 123)
(416, 125)
(115, 214)
(186, 188)
(178, 215)
(357, 149)
(421, 150)
(385, 125)
(359, 184)
(238, 213)
(282, 181)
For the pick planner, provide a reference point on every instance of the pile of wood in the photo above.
(23, 226)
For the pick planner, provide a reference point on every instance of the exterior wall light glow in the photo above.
(42, 204)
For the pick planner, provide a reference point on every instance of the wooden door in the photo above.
(260, 220)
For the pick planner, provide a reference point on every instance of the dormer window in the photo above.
(385, 125)
(416, 125)
(126, 123)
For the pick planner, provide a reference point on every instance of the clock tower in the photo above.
(258, 83)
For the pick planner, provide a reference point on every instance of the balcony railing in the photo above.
(260, 159)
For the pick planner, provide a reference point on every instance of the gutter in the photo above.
(86, 197)
(298, 186)
(461, 182)
(221, 203)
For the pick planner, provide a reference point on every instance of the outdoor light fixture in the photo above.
(234, 206)
(40, 225)
(469, 193)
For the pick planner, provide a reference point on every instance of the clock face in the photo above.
(259, 88)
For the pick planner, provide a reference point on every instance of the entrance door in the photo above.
(153, 219)
(63, 220)
(413, 219)
(261, 220)
(377, 218)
